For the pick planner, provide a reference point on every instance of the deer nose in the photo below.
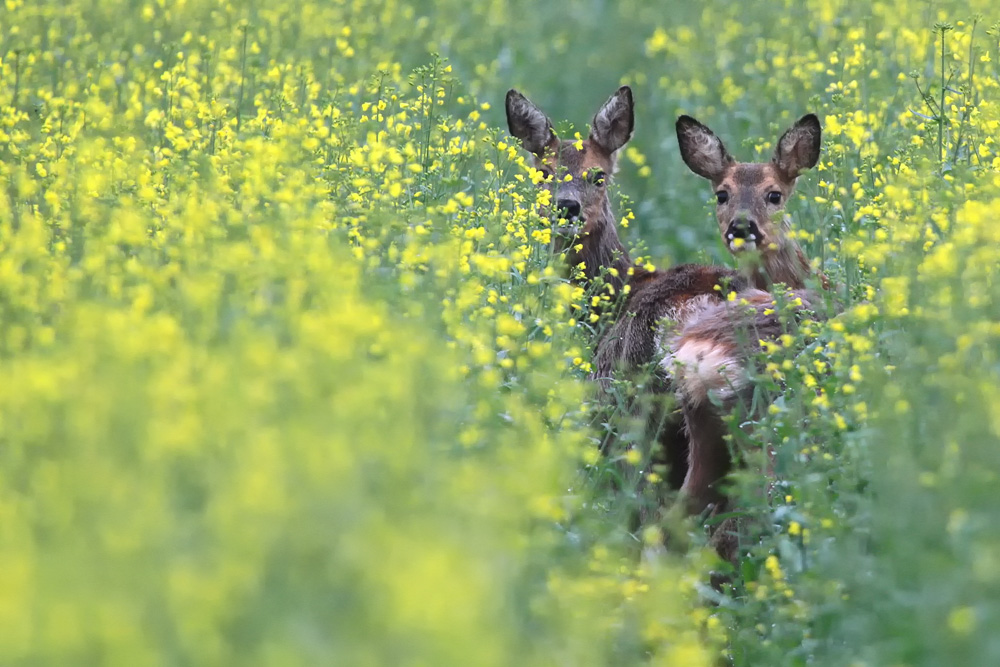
(568, 208)
(743, 228)
(739, 228)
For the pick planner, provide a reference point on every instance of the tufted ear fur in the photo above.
(528, 123)
(614, 122)
(701, 150)
(798, 148)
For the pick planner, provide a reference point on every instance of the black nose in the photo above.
(568, 208)
(743, 229)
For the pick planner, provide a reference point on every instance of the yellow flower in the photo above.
(962, 621)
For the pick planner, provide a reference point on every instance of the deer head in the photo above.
(751, 195)
(577, 173)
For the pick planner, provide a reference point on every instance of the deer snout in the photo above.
(568, 209)
(743, 233)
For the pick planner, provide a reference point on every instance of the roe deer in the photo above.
(751, 197)
(707, 359)
(587, 224)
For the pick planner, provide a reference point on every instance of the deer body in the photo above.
(660, 304)
(713, 377)
(751, 198)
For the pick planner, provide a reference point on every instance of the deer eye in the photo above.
(596, 176)
(722, 196)
(774, 197)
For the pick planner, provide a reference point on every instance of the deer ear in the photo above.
(798, 148)
(528, 123)
(701, 150)
(614, 122)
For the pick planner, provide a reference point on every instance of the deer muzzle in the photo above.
(743, 234)
(570, 216)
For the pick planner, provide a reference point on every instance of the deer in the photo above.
(587, 228)
(680, 317)
(751, 198)
(708, 376)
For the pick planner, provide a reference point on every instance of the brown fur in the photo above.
(752, 197)
(661, 301)
(707, 397)
(713, 378)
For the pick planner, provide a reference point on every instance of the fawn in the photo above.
(665, 313)
(751, 197)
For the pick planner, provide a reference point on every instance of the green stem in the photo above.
(941, 114)
(17, 77)
(243, 78)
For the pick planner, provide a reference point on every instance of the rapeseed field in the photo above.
(290, 373)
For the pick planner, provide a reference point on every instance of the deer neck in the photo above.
(601, 250)
(787, 264)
